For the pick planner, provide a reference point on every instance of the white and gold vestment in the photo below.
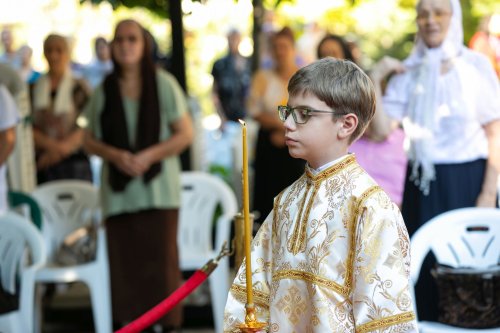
(333, 256)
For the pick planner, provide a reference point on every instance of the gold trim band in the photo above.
(312, 278)
(386, 322)
(240, 293)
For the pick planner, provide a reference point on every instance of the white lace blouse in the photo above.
(468, 97)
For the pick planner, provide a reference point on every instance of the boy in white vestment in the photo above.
(334, 254)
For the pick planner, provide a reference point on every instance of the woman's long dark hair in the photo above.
(342, 43)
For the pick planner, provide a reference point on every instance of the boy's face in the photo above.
(316, 141)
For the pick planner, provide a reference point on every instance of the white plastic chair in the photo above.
(201, 193)
(68, 205)
(16, 234)
(452, 238)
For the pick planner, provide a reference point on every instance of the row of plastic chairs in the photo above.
(68, 205)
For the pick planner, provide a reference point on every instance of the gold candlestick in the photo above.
(251, 324)
(239, 237)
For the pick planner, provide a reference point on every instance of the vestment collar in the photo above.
(338, 165)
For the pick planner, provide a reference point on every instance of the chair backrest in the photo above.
(16, 234)
(201, 194)
(466, 237)
(66, 205)
(19, 199)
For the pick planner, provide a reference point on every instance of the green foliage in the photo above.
(221, 171)
(391, 32)
(158, 7)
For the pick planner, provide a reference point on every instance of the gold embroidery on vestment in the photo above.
(352, 230)
(327, 173)
(312, 278)
(275, 212)
(292, 245)
(292, 304)
(386, 322)
(297, 242)
(240, 293)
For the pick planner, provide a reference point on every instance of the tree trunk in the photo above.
(258, 18)
(178, 67)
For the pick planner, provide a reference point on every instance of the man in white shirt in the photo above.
(101, 66)
(8, 120)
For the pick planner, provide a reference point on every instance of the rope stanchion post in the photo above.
(154, 314)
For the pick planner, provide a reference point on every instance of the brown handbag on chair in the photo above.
(78, 247)
(468, 297)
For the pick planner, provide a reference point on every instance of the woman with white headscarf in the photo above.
(58, 98)
(448, 99)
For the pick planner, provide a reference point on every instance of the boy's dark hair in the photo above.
(342, 85)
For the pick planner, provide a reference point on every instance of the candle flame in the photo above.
(242, 122)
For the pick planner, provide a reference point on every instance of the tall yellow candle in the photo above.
(246, 215)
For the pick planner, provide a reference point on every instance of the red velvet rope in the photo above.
(151, 316)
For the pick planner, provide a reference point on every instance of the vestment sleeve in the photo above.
(381, 296)
(234, 313)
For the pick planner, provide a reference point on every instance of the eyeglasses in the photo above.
(301, 114)
(438, 16)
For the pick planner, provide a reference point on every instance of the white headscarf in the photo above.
(422, 103)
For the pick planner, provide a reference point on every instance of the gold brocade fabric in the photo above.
(333, 256)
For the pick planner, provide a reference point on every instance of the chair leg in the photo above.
(11, 322)
(101, 305)
(38, 308)
(219, 287)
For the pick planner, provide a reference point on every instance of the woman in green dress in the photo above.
(138, 124)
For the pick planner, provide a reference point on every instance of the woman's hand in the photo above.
(386, 66)
(486, 199)
(64, 148)
(144, 160)
(129, 164)
(48, 158)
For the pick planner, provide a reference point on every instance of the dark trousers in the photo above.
(456, 186)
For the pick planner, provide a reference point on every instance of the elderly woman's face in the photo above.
(56, 52)
(433, 20)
